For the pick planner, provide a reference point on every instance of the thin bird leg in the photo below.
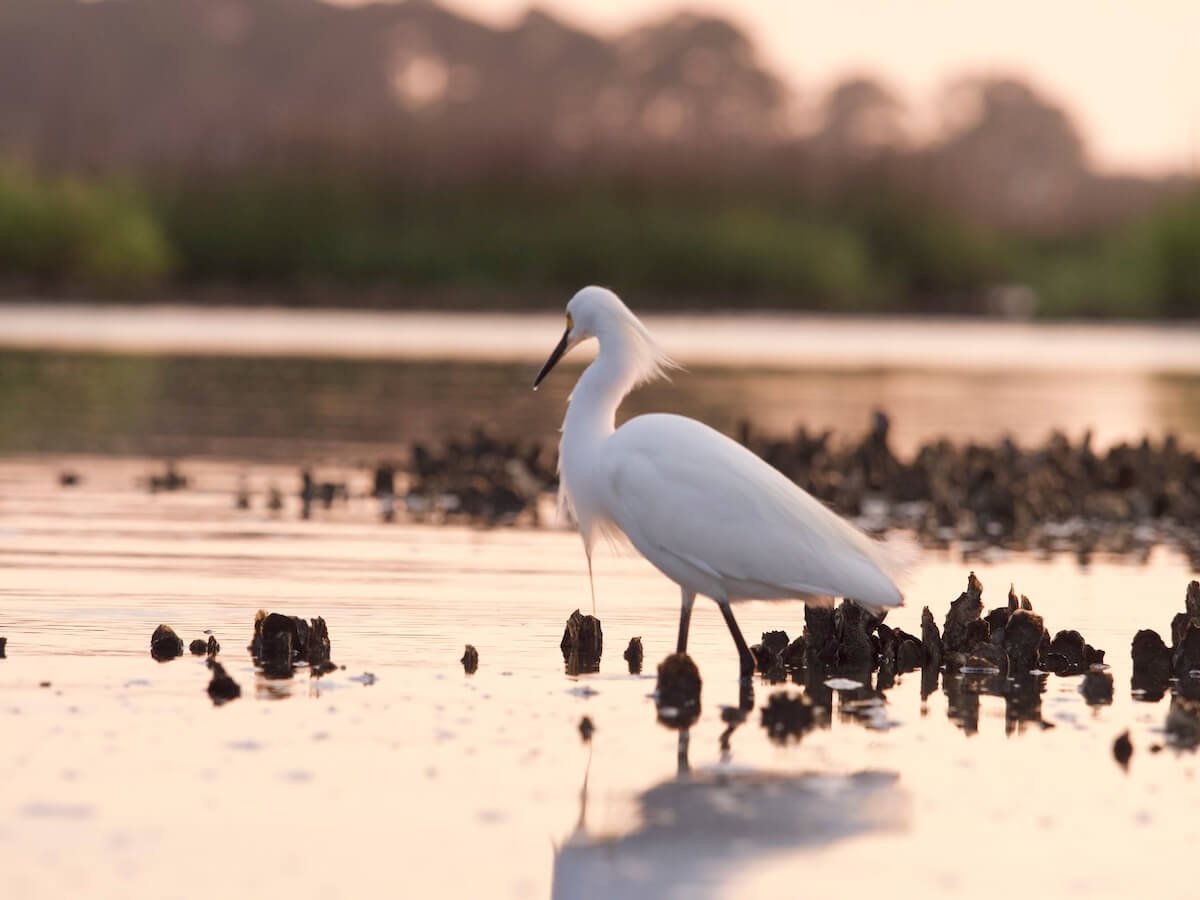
(745, 657)
(591, 582)
(685, 619)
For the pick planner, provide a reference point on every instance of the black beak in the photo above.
(555, 356)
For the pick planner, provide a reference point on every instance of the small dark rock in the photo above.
(910, 655)
(222, 688)
(793, 656)
(1123, 749)
(1185, 657)
(316, 645)
(1179, 626)
(977, 632)
(634, 655)
(1023, 641)
(275, 625)
(884, 642)
(582, 644)
(1097, 688)
(255, 646)
(777, 674)
(818, 633)
(931, 639)
(997, 619)
(958, 633)
(954, 661)
(678, 690)
(212, 648)
(987, 656)
(281, 641)
(300, 631)
(1151, 664)
(885, 678)
(3, 647)
(1067, 653)
(854, 647)
(1058, 664)
(1187, 686)
(768, 655)
(276, 659)
(165, 644)
(267, 630)
(1192, 599)
(787, 716)
(775, 642)
(586, 729)
(470, 660)
(67, 478)
(198, 647)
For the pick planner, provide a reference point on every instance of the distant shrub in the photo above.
(520, 237)
(675, 244)
(56, 231)
(1150, 267)
(1104, 276)
(1175, 251)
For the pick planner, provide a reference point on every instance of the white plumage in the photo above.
(707, 512)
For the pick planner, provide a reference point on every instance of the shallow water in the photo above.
(125, 780)
(343, 410)
(339, 385)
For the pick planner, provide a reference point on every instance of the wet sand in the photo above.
(125, 778)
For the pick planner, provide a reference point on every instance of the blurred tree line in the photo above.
(395, 153)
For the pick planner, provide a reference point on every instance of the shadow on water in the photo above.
(699, 829)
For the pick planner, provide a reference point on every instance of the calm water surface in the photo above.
(124, 780)
(309, 385)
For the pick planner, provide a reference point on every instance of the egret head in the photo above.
(597, 312)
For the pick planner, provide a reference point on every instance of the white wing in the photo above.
(692, 500)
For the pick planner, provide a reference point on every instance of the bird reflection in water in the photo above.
(699, 830)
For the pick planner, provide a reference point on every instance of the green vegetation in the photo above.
(1148, 268)
(65, 232)
(677, 245)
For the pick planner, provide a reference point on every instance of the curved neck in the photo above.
(592, 409)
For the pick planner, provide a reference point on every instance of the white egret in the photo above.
(708, 513)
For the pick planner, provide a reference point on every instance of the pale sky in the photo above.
(1128, 71)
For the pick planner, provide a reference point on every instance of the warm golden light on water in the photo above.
(123, 774)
